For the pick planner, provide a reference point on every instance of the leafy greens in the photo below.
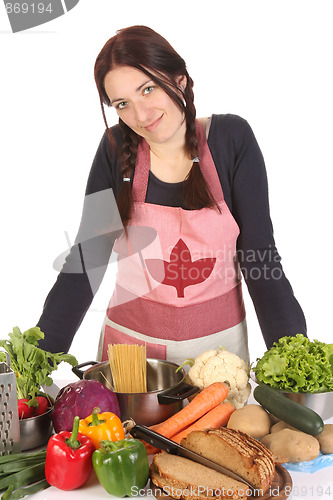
(296, 364)
(31, 364)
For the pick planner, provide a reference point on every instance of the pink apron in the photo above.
(178, 287)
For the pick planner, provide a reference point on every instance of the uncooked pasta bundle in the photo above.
(128, 365)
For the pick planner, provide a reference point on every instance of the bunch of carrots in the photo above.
(207, 409)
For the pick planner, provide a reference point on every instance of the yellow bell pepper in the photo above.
(101, 426)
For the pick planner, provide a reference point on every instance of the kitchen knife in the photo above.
(158, 441)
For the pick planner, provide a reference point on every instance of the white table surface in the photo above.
(306, 486)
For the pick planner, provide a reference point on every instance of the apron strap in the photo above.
(207, 165)
(142, 167)
(141, 172)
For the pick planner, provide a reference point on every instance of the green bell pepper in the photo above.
(122, 466)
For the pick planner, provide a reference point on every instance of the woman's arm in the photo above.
(84, 268)
(244, 183)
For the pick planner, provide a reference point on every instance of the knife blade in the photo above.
(158, 441)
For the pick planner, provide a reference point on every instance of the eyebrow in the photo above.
(119, 99)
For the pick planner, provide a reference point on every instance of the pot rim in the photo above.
(36, 417)
(157, 391)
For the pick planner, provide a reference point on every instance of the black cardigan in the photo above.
(242, 174)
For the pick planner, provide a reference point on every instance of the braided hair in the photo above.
(142, 48)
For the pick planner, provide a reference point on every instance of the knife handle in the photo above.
(154, 438)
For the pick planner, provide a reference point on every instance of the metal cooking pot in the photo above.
(166, 390)
(35, 431)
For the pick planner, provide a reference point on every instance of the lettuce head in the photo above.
(296, 364)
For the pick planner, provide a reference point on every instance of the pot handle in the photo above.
(80, 373)
(178, 393)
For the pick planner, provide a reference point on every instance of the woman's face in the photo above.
(144, 106)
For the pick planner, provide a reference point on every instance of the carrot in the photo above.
(217, 417)
(204, 401)
(151, 450)
(155, 427)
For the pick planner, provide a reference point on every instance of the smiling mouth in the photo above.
(152, 126)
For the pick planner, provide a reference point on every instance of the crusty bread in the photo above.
(236, 451)
(184, 479)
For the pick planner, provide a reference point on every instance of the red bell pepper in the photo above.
(68, 463)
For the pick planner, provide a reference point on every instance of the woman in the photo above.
(192, 196)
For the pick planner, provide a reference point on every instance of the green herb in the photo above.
(22, 492)
(19, 470)
(25, 476)
(296, 364)
(31, 364)
(23, 455)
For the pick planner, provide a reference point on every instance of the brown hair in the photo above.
(142, 48)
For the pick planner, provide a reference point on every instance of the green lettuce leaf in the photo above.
(296, 364)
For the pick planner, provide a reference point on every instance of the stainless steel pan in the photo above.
(167, 390)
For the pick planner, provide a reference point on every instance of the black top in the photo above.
(242, 173)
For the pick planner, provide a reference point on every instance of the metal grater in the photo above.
(9, 421)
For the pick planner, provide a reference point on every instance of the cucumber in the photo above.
(294, 414)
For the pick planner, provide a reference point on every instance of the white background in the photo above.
(268, 61)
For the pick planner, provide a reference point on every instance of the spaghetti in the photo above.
(128, 365)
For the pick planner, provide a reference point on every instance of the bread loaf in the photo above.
(236, 451)
(184, 479)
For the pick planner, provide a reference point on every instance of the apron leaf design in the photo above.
(181, 271)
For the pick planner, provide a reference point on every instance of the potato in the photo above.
(252, 419)
(273, 419)
(325, 439)
(282, 425)
(295, 446)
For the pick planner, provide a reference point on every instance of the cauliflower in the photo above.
(221, 366)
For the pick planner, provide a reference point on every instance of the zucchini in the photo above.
(294, 414)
